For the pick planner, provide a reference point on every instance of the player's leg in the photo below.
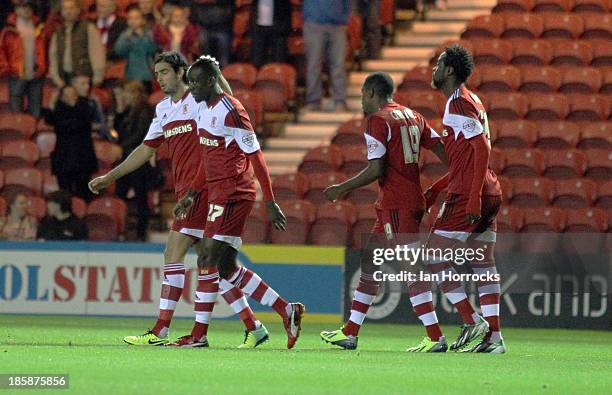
(173, 282)
(421, 300)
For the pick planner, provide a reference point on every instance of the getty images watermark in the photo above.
(412, 255)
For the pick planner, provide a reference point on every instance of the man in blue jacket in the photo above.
(325, 35)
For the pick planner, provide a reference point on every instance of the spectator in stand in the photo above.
(137, 46)
(178, 34)
(60, 223)
(325, 35)
(82, 85)
(216, 21)
(150, 12)
(132, 125)
(23, 58)
(76, 48)
(18, 225)
(271, 27)
(73, 160)
(369, 10)
(109, 24)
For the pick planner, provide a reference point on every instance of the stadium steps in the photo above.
(411, 48)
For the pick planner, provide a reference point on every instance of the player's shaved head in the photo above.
(381, 83)
(461, 60)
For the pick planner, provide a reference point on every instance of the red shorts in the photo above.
(195, 222)
(393, 222)
(226, 221)
(452, 219)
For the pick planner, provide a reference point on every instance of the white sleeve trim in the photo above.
(246, 139)
(434, 134)
(376, 149)
(470, 127)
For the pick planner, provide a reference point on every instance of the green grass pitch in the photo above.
(540, 361)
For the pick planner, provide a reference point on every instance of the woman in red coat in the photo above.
(177, 34)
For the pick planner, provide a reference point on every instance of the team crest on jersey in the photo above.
(469, 126)
(185, 108)
(249, 139)
(372, 145)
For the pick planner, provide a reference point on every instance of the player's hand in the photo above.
(99, 183)
(473, 210)
(276, 215)
(333, 193)
(430, 198)
(182, 208)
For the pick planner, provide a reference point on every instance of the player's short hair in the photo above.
(63, 198)
(381, 82)
(175, 60)
(208, 64)
(132, 7)
(461, 60)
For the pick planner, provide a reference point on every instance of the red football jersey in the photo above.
(227, 136)
(397, 134)
(464, 119)
(175, 125)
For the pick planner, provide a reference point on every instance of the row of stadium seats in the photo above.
(553, 6)
(105, 216)
(550, 25)
(343, 223)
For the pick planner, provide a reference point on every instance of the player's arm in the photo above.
(141, 155)
(374, 170)
(263, 176)
(481, 162)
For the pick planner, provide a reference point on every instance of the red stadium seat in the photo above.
(572, 53)
(417, 79)
(364, 195)
(101, 227)
(115, 70)
(4, 93)
(506, 106)
(604, 195)
(355, 159)
(354, 31)
(333, 224)
(49, 184)
(602, 54)
(523, 26)
(552, 5)
(431, 165)
(509, 219)
(543, 219)
(112, 207)
(513, 6)
(276, 82)
(606, 85)
(492, 51)
(523, 162)
(253, 104)
(300, 216)
(599, 164)
(107, 153)
(43, 127)
(567, 26)
(588, 108)
(531, 52)
(79, 207)
(532, 192)
(350, 133)
(586, 220)
(581, 80)
(517, 134)
(484, 26)
(25, 124)
(366, 218)
(37, 207)
(506, 187)
(18, 153)
(104, 96)
(499, 79)
(429, 104)
(46, 143)
(590, 6)
(497, 160)
(156, 97)
(257, 226)
(568, 163)
(540, 79)
(574, 193)
(321, 159)
(549, 107)
(318, 183)
(27, 180)
(1, 179)
(597, 26)
(557, 135)
(596, 135)
(240, 75)
(290, 186)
